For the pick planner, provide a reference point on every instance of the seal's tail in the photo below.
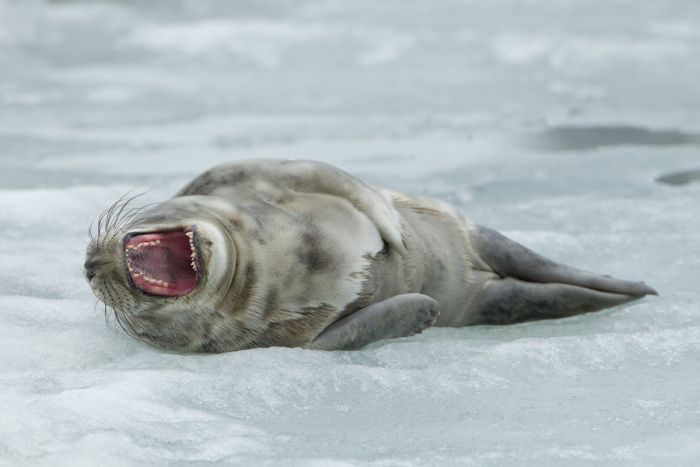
(534, 287)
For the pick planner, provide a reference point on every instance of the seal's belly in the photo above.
(440, 261)
(451, 271)
(311, 256)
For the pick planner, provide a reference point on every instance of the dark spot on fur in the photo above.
(270, 302)
(250, 274)
(157, 218)
(259, 236)
(209, 181)
(207, 335)
(209, 347)
(384, 252)
(236, 224)
(241, 302)
(232, 178)
(312, 254)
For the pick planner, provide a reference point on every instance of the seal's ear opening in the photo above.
(162, 263)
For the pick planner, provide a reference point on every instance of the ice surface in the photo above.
(548, 120)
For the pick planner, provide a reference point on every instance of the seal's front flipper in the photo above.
(534, 287)
(399, 316)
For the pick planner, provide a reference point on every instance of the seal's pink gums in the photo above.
(162, 263)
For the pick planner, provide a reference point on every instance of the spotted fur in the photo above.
(287, 248)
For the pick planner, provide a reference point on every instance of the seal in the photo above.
(267, 253)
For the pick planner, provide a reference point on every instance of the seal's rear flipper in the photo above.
(507, 301)
(399, 316)
(534, 287)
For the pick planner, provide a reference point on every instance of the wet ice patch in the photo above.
(567, 138)
(680, 178)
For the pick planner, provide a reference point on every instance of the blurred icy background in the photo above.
(572, 126)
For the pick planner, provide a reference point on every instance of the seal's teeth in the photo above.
(190, 234)
(151, 280)
(138, 246)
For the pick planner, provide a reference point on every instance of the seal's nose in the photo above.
(91, 268)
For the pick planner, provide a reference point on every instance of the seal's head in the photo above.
(163, 271)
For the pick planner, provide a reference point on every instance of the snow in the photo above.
(570, 126)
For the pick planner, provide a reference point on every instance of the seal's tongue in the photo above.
(162, 263)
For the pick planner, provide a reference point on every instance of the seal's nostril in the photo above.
(90, 268)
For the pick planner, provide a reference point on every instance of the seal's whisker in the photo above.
(107, 314)
(100, 222)
(121, 315)
(107, 215)
(115, 211)
(117, 220)
(118, 211)
(132, 216)
(113, 218)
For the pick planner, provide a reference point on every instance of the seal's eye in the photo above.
(162, 263)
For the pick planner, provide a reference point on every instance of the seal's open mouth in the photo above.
(162, 263)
